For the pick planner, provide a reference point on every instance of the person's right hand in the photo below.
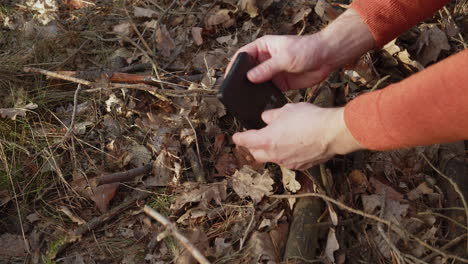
(295, 62)
(292, 62)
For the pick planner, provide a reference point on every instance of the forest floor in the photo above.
(108, 110)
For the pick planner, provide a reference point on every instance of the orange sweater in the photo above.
(429, 107)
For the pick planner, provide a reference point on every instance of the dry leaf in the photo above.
(246, 182)
(422, 188)
(264, 4)
(144, 12)
(221, 17)
(332, 245)
(430, 43)
(124, 29)
(12, 113)
(262, 249)
(359, 182)
(221, 247)
(199, 240)
(380, 188)
(45, 10)
(12, 246)
(243, 157)
(249, 6)
(325, 11)
(358, 177)
(419, 250)
(204, 194)
(162, 173)
(197, 35)
(289, 180)
(164, 43)
(78, 4)
(301, 15)
(227, 40)
(138, 155)
(404, 57)
(394, 210)
(103, 194)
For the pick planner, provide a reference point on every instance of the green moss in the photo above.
(54, 248)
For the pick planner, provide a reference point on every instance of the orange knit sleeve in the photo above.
(428, 107)
(389, 18)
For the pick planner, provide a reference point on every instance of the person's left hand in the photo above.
(298, 136)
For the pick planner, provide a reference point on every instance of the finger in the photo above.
(265, 71)
(250, 139)
(251, 49)
(260, 155)
(304, 80)
(271, 115)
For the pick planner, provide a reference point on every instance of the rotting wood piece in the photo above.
(303, 233)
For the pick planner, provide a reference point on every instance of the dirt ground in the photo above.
(108, 110)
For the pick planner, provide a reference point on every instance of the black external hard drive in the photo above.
(245, 100)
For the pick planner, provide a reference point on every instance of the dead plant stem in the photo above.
(173, 229)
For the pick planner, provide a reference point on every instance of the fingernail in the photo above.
(234, 138)
(253, 74)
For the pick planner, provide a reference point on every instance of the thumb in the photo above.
(271, 115)
(264, 71)
(249, 139)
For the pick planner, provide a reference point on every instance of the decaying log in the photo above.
(303, 232)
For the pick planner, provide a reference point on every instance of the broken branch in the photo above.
(173, 229)
(58, 76)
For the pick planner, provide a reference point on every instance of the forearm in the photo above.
(345, 39)
(387, 19)
(428, 107)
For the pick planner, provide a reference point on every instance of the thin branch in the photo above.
(173, 229)
(58, 76)
(124, 176)
(450, 244)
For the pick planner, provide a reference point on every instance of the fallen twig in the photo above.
(173, 229)
(58, 76)
(123, 176)
(450, 244)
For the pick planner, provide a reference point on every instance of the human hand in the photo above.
(299, 136)
(292, 62)
(295, 62)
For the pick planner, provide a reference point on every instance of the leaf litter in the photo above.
(185, 46)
